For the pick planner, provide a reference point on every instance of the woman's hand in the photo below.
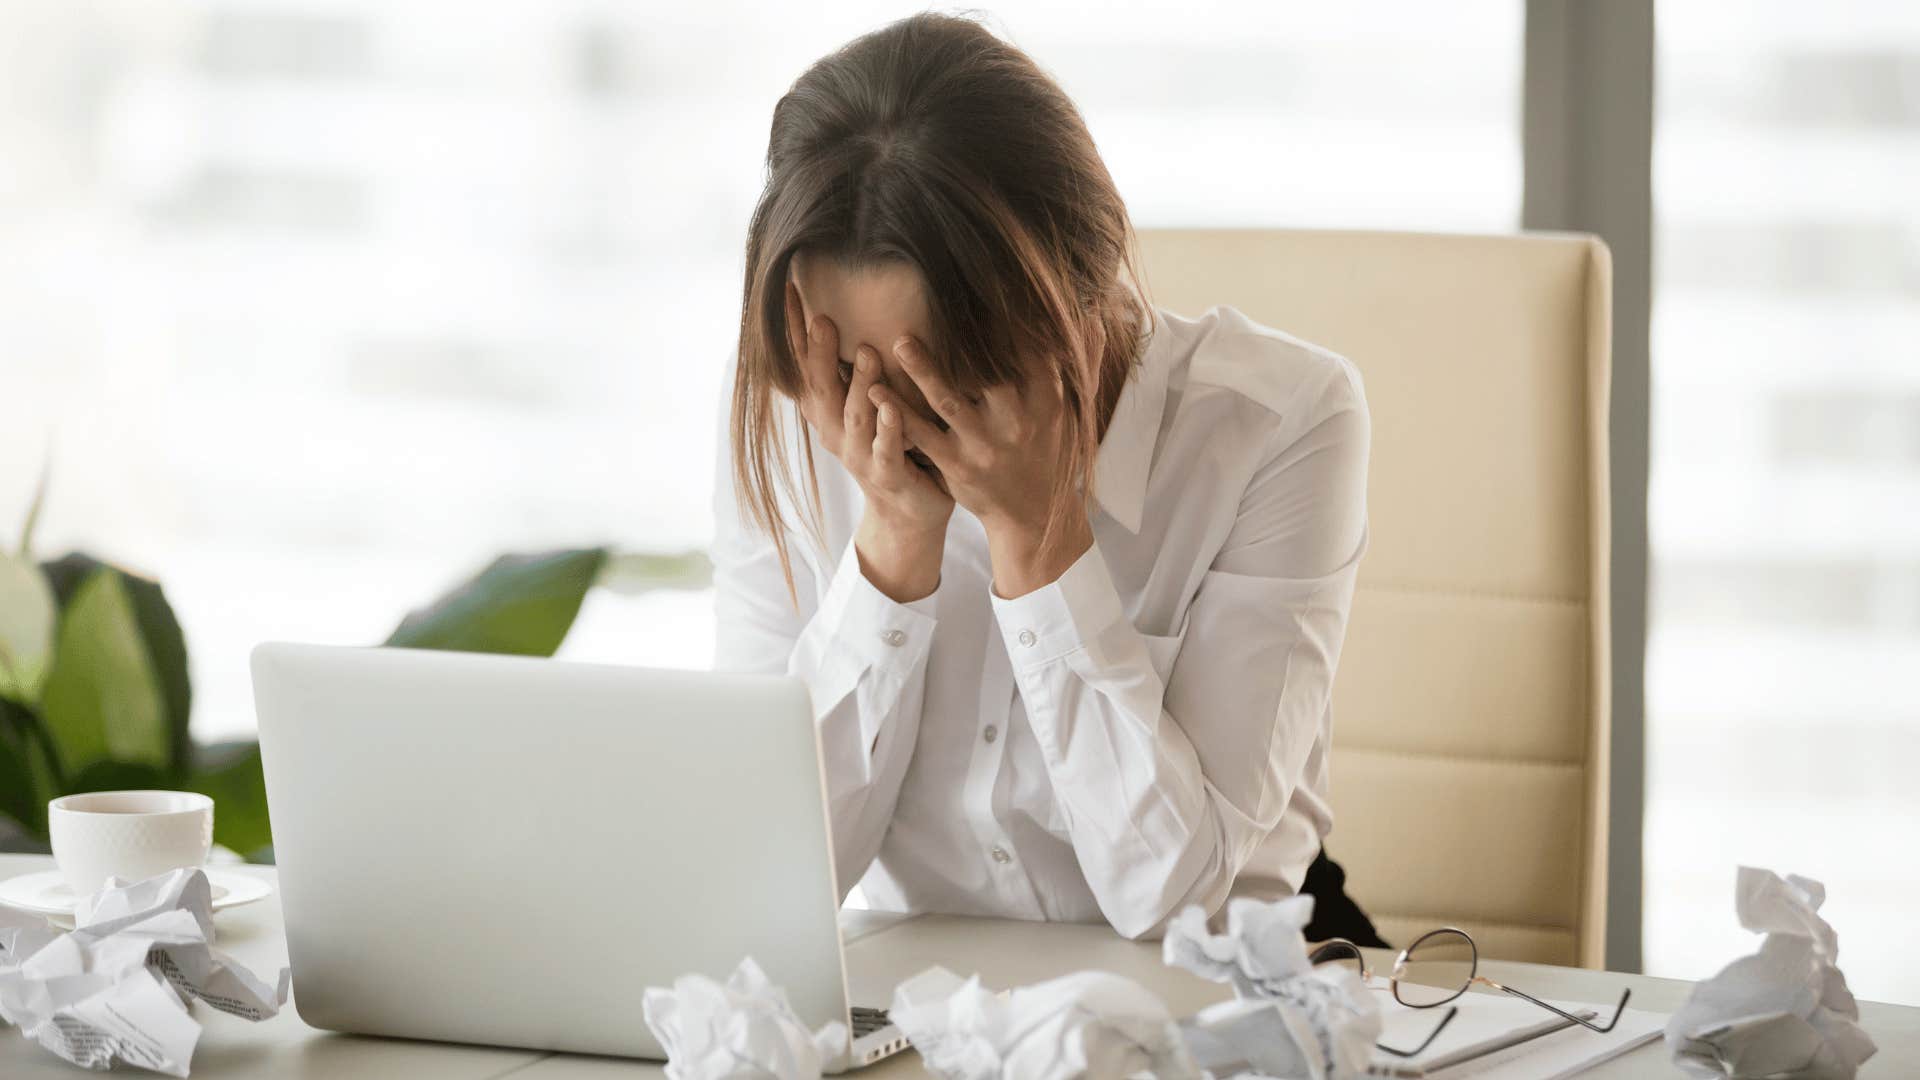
(1000, 456)
(903, 533)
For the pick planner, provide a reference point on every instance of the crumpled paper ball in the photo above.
(1323, 1027)
(742, 1030)
(116, 988)
(1087, 1024)
(22, 935)
(1289, 1017)
(1264, 946)
(1784, 1011)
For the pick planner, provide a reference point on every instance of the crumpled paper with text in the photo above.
(117, 986)
(1784, 1011)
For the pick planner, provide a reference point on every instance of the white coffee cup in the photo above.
(130, 835)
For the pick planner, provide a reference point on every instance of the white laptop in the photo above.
(507, 850)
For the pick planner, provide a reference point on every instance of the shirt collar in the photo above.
(1126, 452)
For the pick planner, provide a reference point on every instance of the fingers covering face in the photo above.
(859, 409)
(817, 348)
(890, 445)
(952, 406)
(923, 434)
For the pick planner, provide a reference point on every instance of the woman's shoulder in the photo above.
(1236, 364)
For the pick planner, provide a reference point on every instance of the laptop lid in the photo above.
(508, 850)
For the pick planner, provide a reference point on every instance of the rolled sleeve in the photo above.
(858, 637)
(1057, 620)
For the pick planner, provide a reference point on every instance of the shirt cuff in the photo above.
(875, 628)
(1054, 620)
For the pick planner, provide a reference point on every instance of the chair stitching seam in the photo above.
(1442, 919)
(1561, 763)
(1477, 594)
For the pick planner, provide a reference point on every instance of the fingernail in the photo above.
(863, 359)
(899, 346)
(886, 415)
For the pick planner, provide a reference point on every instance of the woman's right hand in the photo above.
(903, 532)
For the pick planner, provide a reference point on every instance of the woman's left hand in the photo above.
(1000, 456)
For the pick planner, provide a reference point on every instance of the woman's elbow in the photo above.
(1206, 883)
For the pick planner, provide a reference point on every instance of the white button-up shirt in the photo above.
(1150, 730)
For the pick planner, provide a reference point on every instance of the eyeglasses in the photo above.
(1438, 967)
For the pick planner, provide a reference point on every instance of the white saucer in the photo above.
(46, 893)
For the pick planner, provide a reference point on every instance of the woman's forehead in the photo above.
(870, 304)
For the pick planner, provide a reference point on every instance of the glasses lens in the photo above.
(1343, 954)
(1436, 970)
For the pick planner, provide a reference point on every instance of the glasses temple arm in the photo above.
(1617, 1009)
(1428, 1041)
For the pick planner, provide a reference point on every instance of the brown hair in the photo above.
(932, 142)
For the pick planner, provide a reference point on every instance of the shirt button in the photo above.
(895, 638)
(991, 733)
(1027, 638)
(1000, 855)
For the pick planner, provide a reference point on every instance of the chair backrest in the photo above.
(1471, 720)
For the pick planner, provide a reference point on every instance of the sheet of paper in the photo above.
(1559, 1048)
(1565, 1053)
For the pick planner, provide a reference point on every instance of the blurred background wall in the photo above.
(318, 305)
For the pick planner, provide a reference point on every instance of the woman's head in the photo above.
(929, 178)
(870, 304)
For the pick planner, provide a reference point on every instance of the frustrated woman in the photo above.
(1066, 574)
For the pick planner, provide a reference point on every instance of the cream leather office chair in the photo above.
(1471, 705)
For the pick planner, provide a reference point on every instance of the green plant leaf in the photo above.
(17, 794)
(20, 795)
(167, 651)
(110, 775)
(521, 604)
(66, 574)
(230, 773)
(28, 617)
(633, 572)
(28, 774)
(102, 697)
(166, 646)
(39, 502)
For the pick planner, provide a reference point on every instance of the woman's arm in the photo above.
(861, 654)
(1168, 787)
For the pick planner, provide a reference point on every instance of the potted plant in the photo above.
(95, 692)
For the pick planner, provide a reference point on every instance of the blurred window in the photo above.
(322, 308)
(1783, 716)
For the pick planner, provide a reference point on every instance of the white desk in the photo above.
(882, 950)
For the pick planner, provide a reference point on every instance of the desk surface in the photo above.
(882, 949)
